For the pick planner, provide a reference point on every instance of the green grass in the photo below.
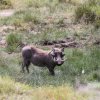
(89, 12)
(13, 42)
(78, 60)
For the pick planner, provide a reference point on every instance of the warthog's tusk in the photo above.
(65, 59)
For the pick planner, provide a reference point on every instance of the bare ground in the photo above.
(92, 89)
(5, 13)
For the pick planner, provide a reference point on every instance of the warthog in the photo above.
(42, 58)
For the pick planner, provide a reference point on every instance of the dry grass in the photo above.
(11, 90)
(23, 4)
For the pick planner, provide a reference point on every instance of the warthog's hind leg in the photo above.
(26, 64)
(23, 66)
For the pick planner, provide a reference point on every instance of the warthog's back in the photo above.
(28, 51)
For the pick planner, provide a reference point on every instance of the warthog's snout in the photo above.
(60, 62)
(58, 56)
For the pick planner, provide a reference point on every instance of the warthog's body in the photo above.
(42, 58)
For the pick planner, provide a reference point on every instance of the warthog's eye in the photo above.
(55, 55)
(62, 55)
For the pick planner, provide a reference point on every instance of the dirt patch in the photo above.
(4, 31)
(68, 42)
(93, 89)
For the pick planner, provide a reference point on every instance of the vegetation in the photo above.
(13, 41)
(22, 91)
(89, 12)
(40, 22)
(84, 12)
(4, 4)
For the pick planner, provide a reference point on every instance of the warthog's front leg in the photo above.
(51, 70)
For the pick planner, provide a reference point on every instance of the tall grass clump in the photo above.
(97, 23)
(4, 4)
(63, 92)
(85, 14)
(62, 1)
(8, 85)
(21, 18)
(95, 7)
(13, 41)
(24, 4)
(17, 90)
(89, 12)
(29, 17)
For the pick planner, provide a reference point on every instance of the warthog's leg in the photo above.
(26, 64)
(51, 70)
(23, 65)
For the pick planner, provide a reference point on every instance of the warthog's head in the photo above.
(58, 55)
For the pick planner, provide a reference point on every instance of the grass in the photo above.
(10, 86)
(13, 41)
(35, 21)
(10, 89)
(39, 26)
(89, 12)
(5, 4)
(78, 60)
(56, 87)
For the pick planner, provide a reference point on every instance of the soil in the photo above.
(92, 89)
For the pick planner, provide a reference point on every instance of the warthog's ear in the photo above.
(52, 52)
(62, 49)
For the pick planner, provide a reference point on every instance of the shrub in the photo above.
(89, 12)
(97, 23)
(13, 41)
(62, 1)
(92, 2)
(28, 17)
(5, 4)
(17, 22)
(84, 13)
